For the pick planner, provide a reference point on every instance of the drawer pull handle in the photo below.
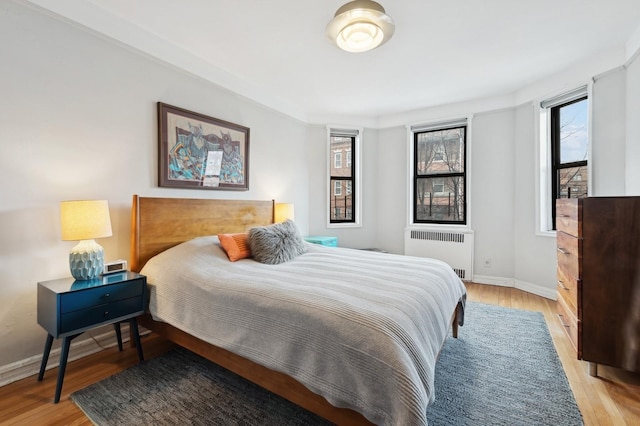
(561, 284)
(563, 215)
(563, 251)
(106, 296)
(105, 313)
(562, 321)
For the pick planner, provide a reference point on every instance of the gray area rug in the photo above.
(502, 370)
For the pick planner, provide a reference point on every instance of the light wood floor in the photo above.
(612, 399)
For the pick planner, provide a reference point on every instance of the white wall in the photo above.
(78, 121)
(392, 189)
(608, 135)
(493, 191)
(534, 255)
(632, 157)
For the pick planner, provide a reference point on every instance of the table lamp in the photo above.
(283, 212)
(84, 221)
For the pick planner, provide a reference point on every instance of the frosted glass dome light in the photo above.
(360, 26)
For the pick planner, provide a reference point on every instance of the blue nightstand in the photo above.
(67, 308)
(323, 241)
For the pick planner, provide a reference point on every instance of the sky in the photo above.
(574, 134)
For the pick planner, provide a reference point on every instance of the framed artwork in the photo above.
(196, 151)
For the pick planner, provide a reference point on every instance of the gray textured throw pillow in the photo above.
(276, 243)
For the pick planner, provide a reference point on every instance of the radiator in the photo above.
(452, 247)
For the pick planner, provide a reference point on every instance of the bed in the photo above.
(350, 335)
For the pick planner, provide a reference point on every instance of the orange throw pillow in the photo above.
(235, 245)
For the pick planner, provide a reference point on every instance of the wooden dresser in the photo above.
(598, 241)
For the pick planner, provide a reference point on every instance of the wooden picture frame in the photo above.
(200, 152)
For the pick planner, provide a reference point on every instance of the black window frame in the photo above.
(556, 165)
(351, 177)
(462, 174)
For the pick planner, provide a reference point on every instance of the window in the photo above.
(438, 155)
(340, 203)
(337, 190)
(438, 185)
(439, 173)
(344, 177)
(337, 160)
(565, 136)
(569, 149)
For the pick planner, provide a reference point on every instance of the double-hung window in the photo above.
(337, 190)
(337, 159)
(564, 126)
(440, 173)
(344, 177)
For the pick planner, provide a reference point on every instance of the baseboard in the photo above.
(500, 281)
(546, 292)
(79, 348)
(536, 289)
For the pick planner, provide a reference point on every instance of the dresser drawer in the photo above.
(569, 289)
(570, 323)
(570, 265)
(80, 319)
(567, 243)
(569, 252)
(569, 216)
(90, 297)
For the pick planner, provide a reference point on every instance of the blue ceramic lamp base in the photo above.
(86, 260)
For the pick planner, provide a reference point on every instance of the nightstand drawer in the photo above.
(80, 319)
(90, 297)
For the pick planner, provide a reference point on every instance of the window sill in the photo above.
(548, 234)
(439, 227)
(344, 225)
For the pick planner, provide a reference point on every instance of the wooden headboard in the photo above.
(161, 223)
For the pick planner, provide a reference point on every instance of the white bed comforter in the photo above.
(363, 329)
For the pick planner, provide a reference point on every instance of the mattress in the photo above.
(363, 329)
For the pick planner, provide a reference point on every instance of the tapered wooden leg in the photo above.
(45, 356)
(135, 337)
(454, 327)
(64, 355)
(455, 321)
(116, 327)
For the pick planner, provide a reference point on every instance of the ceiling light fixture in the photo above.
(360, 25)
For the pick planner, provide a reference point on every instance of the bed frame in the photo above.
(161, 223)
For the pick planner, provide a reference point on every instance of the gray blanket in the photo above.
(362, 329)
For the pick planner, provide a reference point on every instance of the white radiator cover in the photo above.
(452, 247)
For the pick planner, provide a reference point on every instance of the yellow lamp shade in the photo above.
(283, 212)
(85, 220)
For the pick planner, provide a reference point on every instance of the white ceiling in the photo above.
(443, 51)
